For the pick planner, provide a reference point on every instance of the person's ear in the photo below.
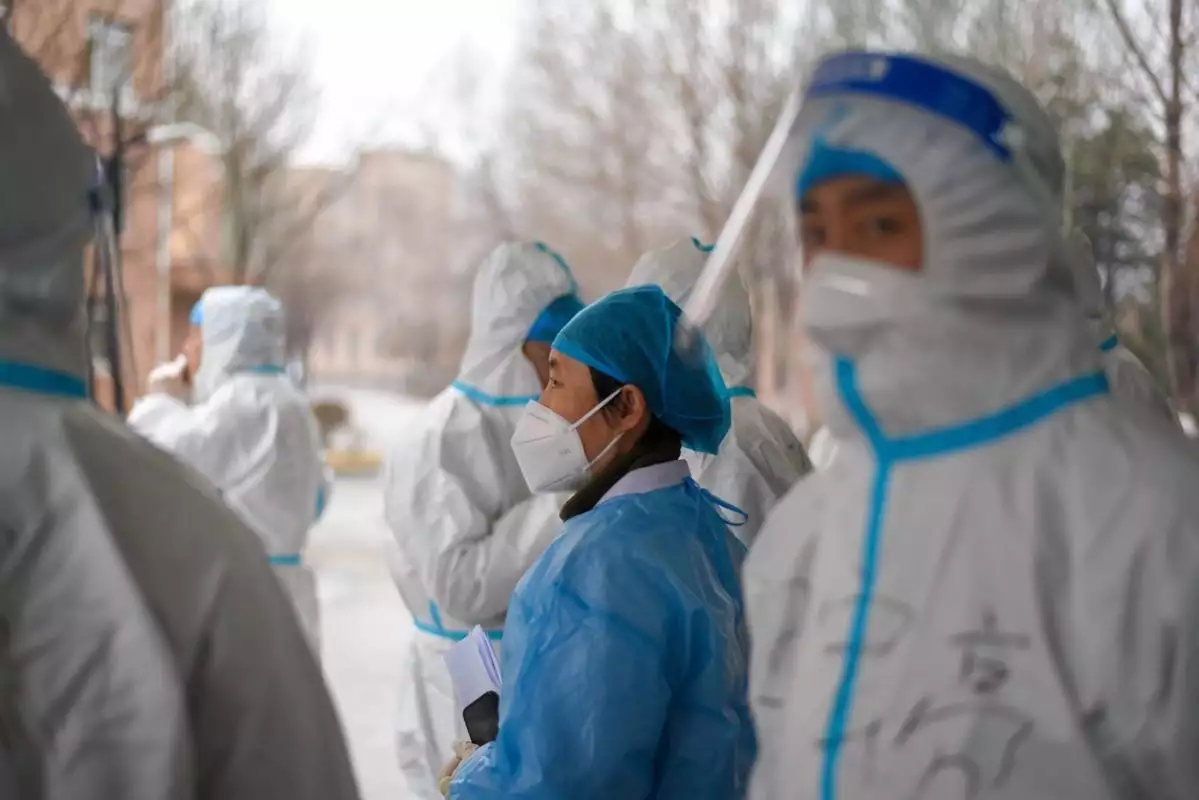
(634, 411)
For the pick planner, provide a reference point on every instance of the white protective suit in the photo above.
(464, 520)
(993, 591)
(1130, 380)
(760, 458)
(146, 652)
(251, 432)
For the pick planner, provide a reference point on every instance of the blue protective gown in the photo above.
(625, 659)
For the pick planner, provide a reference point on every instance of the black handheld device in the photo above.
(482, 718)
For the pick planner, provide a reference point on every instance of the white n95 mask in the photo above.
(549, 450)
(848, 301)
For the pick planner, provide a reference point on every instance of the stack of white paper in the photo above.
(473, 668)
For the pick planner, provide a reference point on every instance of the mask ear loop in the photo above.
(598, 408)
(606, 450)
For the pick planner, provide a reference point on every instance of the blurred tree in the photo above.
(934, 25)
(234, 76)
(1158, 39)
(310, 288)
(1114, 200)
(634, 124)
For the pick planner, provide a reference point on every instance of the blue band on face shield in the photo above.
(700, 246)
(917, 83)
(554, 318)
(197, 315)
(826, 163)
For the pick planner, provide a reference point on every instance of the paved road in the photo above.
(364, 625)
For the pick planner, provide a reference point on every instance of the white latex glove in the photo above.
(169, 379)
(462, 751)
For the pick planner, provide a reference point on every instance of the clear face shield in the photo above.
(839, 129)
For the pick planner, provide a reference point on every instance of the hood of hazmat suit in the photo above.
(625, 653)
(148, 653)
(993, 588)
(1130, 380)
(760, 458)
(251, 432)
(465, 523)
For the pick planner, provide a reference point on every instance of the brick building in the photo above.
(107, 60)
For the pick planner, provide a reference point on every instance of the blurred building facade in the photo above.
(107, 60)
(403, 303)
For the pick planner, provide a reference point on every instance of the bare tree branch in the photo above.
(1135, 49)
(235, 78)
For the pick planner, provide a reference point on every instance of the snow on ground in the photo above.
(364, 626)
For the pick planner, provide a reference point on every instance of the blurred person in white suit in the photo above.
(235, 415)
(994, 587)
(148, 653)
(466, 524)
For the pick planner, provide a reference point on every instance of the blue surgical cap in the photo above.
(553, 319)
(826, 163)
(197, 314)
(631, 336)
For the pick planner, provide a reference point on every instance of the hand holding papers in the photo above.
(475, 673)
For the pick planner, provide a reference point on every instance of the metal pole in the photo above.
(116, 183)
(166, 200)
(1068, 204)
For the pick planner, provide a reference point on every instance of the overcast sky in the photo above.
(380, 64)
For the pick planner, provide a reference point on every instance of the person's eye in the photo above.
(812, 235)
(883, 226)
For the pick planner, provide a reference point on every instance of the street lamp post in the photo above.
(166, 138)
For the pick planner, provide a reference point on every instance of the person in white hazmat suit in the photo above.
(466, 524)
(1130, 380)
(1127, 376)
(760, 458)
(147, 652)
(249, 429)
(993, 591)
